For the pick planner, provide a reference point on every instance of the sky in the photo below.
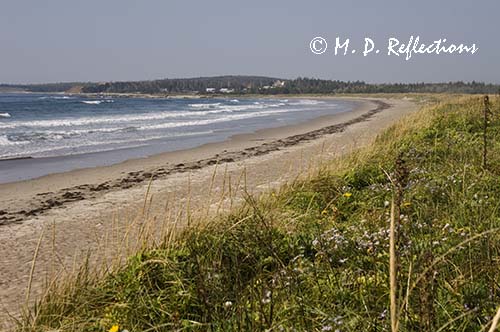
(117, 40)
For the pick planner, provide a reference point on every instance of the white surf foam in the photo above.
(4, 115)
(156, 116)
(87, 146)
(92, 102)
(204, 106)
(307, 102)
(83, 121)
(4, 141)
(55, 97)
(227, 118)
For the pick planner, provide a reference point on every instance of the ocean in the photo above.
(71, 132)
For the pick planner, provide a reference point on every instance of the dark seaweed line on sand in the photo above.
(43, 202)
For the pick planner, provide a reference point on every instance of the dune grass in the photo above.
(314, 256)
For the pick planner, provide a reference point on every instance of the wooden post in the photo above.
(485, 129)
(400, 181)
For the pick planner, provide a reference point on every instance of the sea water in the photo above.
(65, 132)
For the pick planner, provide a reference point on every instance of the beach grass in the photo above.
(401, 235)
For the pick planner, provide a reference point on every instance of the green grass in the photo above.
(314, 255)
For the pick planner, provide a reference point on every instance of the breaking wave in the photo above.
(52, 127)
(4, 141)
(156, 116)
(307, 102)
(97, 102)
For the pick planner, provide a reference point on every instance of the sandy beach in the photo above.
(71, 214)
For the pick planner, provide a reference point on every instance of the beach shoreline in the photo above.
(85, 211)
(32, 166)
(32, 197)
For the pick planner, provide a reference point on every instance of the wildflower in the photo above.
(114, 328)
(386, 203)
(383, 314)
(347, 194)
(267, 297)
(324, 212)
(338, 321)
(228, 304)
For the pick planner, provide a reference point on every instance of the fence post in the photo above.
(485, 129)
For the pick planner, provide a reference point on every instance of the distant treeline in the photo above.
(256, 85)
(307, 85)
(47, 87)
(184, 85)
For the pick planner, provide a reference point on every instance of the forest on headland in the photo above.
(253, 85)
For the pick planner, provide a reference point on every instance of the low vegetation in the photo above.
(314, 256)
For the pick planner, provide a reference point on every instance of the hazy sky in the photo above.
(102, 40)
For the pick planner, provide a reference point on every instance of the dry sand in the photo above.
(89, 210)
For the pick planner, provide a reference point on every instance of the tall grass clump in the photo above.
(314, 256)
